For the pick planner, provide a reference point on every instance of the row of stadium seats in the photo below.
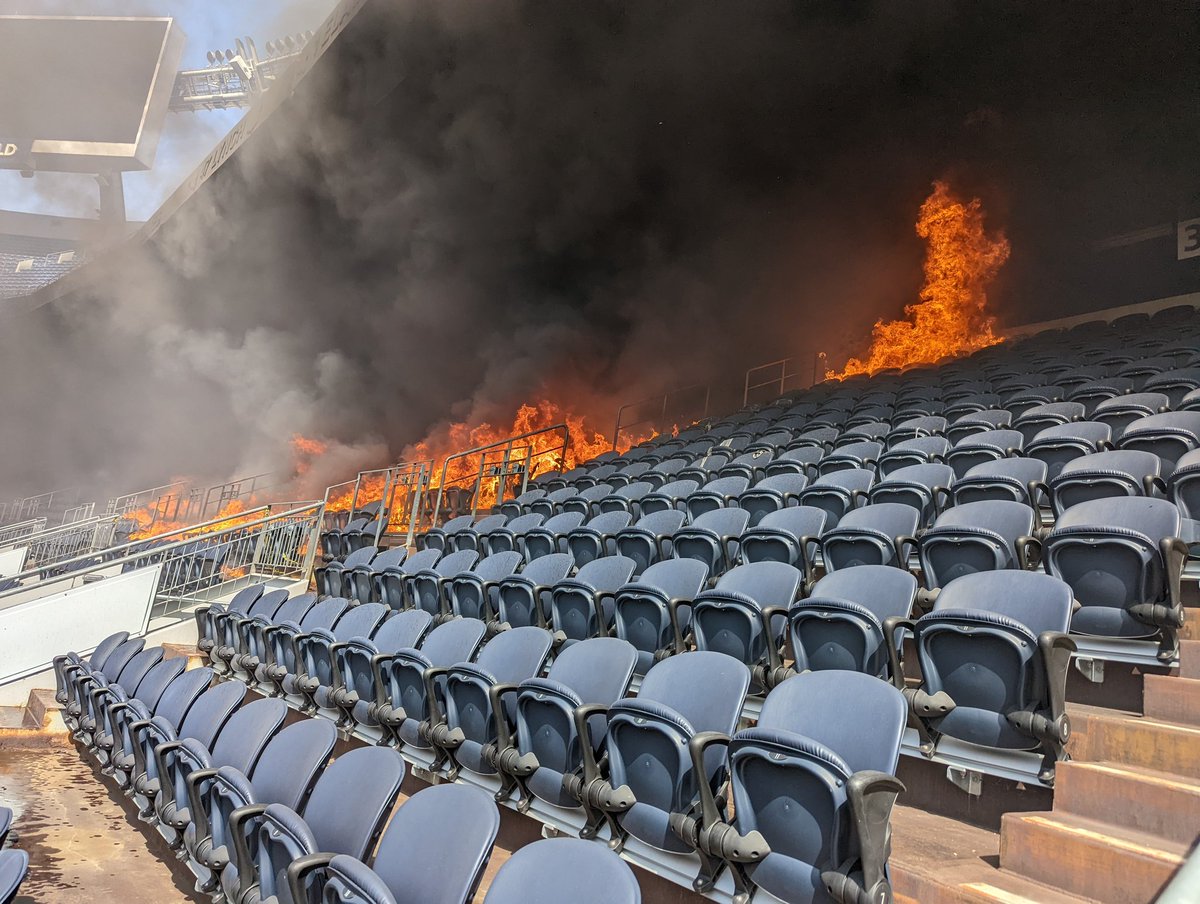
(261, 812)
(14, 863)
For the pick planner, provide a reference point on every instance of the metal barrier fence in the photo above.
(68, 541)
(197, 562)
(32, 506)
(400, 490)
(79, 513)
(12, 534)
(504, 466)
(777, 376)
(663, 410)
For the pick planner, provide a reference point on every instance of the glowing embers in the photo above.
(951, 318)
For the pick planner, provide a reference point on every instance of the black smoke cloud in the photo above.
(468, 204)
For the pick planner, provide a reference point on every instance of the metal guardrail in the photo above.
(501, 461)
(197, 564)
(69, 541)
(777, 376)
(120, 505)
(32, 506)
(11, 534)
(79, 513)
(664, 410)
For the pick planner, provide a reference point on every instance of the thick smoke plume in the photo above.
(467, 206)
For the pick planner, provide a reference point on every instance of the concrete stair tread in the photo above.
(1189, 659)
(1099, 735)
(1161, 804)
(1172, 698)
(1115, 864)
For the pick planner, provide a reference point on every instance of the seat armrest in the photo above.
(378, 662)
(239, 831)
(587, 749)
(1029, 553)
(697, 746)
(430, 677)
(872, 796)
(673, 606)
(299, 870)
(892, 628)
(1056, 649)
(193, 780)
(496, 695)
(774, 657)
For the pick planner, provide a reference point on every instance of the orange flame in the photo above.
(951, 318)
(151, 522)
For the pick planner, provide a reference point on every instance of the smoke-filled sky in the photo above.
(471, 204)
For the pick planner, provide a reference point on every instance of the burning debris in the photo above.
(951, 318)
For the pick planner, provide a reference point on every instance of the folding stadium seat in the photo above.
(859, 432)
(1095, 392)
(821, 438)
(79, 679)
(664, 471)
(642, 608)
(228, 627)
(629, 472)
(586, 501)
(850, 457)
(1122, 411)
(439, 537)
(548, 505)
(802, 461)
(838, 493)
(1124, 472)
(356, 663)
(650, 538)
(95, 662)
(239, 745)
(1025, 400)
(994, 654)
(1143, 369)
(978, 422)
(626, 499)
(360, 582)
(250, 645)
(95, 690)
(1014, 479)
(202, 722)
(712, 539)
(99, 732)
(333, 542)
(539, 873)
(771, 494)
(771, 442)
(403, 700)
(426, 588)
(14, 866)
(880, 534)
(1039, 417)
(1183, 487)
(916, 427)
(841, 623)
(474, 536)
(367, 535)
(452, 826)
(647, 776)
(598, 537)
(1175, 383)
(473, 593)
(705, 468)
(278, 668)
(990, 535)
(344, 814)
(926, 488)
(329, 578)
(916, 451)
(511, 536)
(389, 583)
(172, 706)
(976, 448)
(1169, 436)
(316, 650)
(715, 494)
(524, 599)
(581, 606)
(206, 615)
(463, 731)
(1123, 558)
(544, 750)
(744, 616)
(811, 793)
(521, 504)
(551, 537)
(1058, 445)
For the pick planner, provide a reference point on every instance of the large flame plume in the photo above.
(951, 318)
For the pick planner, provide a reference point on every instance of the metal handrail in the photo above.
(666, 398)
(784, 376)
(158, 551)
(507, 446)
(140, 544)
(13, 533)
(120, 505)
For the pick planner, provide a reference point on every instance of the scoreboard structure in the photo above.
(85, 94)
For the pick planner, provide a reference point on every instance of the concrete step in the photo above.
(1082, 856)
(1104, 736)
(1171, 699)
(1165, 806)
(1191, 624)
(1189, 659)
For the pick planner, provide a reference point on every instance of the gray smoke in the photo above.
(468, 205)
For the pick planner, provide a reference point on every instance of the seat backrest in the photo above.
(1133, 462)
(138, 667)
(538, 874)
(883, 589)
(800, 520)
(563, 523)
(609, 522)
(352, 798)
(1022, 469)
(403, 630)
(726, 486)
(893, 518)
(677, 489)
(850, 480)
(453, 641)
(857, 716)
(105, 648)
(664, 523)
(1041, 602)
(360, 621)
(767, 583)
(1153, 518)
(155, 682)
(497, 566)
(522, 523)
(679, 579)
(181, 693)
(704, 687)
(548, 570)
(598, 670)
(421, 560)
(245, 598)
(606, 573)
(116, 661)
(211, 711)
(437, 844)
(324, 615)
(514, 655)
(457, 562)
(295, 608)
(390, 558)
(787, 484)
(291, 760)
(244, 737)
(361, 556)
(928, 475)
(1009, 519)
(724, 522)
